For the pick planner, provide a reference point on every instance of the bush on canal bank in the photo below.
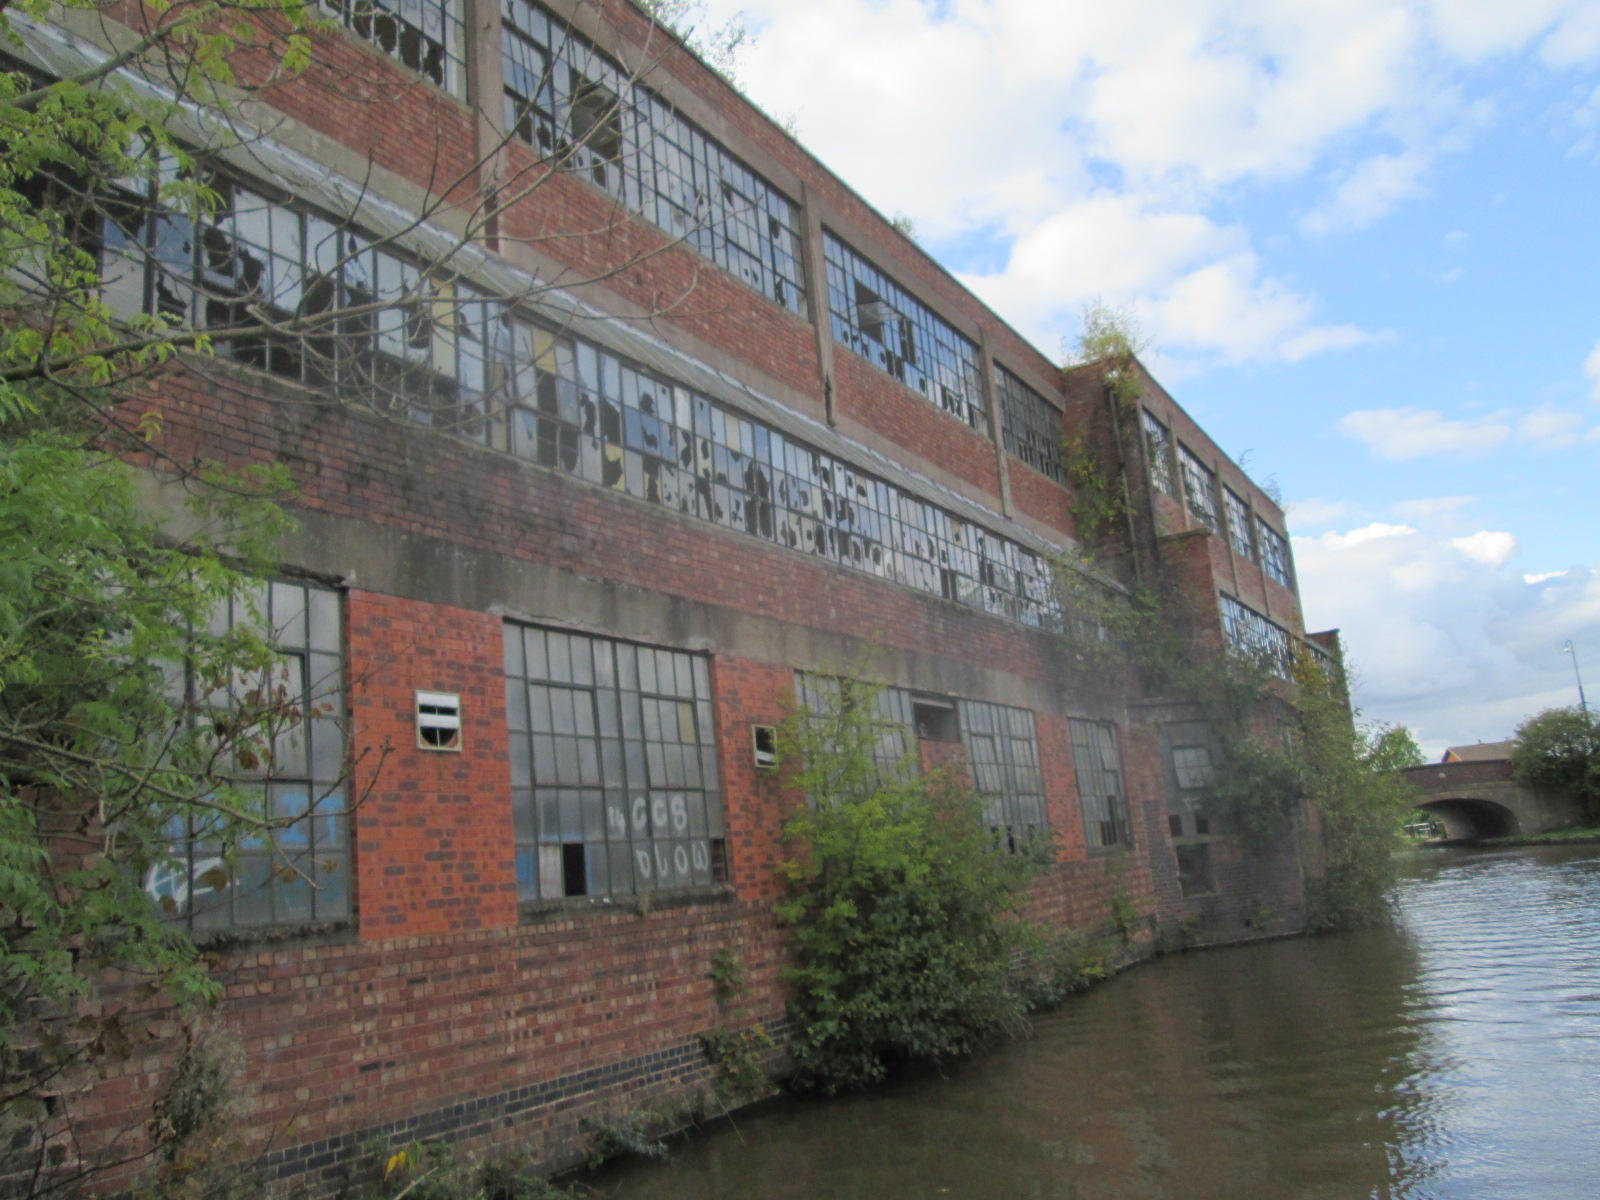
(903, 919)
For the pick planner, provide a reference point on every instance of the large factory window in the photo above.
(298, 869)
(1100, 789)
(615, 788)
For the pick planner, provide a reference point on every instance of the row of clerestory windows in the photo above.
(328, 307)
(1251, 538)
(581, 110)
(882, 322)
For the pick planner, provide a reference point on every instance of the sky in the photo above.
(1361, 239)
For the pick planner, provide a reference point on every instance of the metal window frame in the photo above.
(641, 805)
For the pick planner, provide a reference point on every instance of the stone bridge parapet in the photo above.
(1483, 799)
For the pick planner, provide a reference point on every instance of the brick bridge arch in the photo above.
(1481, 800)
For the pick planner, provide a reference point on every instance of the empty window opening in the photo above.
(1194, 868)
(935, 720)
(574, 872)
(764, 743)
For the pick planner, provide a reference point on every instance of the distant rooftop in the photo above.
(1479, 752)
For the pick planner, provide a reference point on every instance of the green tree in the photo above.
(902, 910)
(127, 709)
(1359, 798)
(1559, 751)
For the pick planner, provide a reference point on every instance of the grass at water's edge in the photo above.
(1554, 837)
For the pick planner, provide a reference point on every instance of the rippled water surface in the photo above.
(1456, 1055)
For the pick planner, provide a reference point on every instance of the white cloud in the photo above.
(1011, 119)
(1090, 148)
(1548, 428)
(1302, 513)
(1377, 531)
(1576, 38)
(1403, 433)
(1476, 29)
(1228, 307)
(1433, 506)
(1591, 371)
(1542, 577)
(1369, 192)
(1487, 546)
(1456, 646)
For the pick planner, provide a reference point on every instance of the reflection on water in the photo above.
(1456, 1055)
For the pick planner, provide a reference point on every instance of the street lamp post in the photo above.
(1578, 675)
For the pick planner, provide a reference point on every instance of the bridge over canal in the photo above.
(1479, 798)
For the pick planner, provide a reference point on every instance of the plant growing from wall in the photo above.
(737, 1048)
(902, 913)
(1099, 490)
(1359, 798)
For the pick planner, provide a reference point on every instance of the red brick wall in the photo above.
(749, 693)
(892, 410)
(1041, 497)
(433, 831)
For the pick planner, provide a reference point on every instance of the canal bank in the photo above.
(1451, 1054)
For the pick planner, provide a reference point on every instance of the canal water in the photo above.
(1454, 1055)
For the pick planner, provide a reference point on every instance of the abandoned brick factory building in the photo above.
(690, 424)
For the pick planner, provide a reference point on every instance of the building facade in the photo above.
(662, 422)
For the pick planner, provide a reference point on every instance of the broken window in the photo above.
(300, 871)
(935, 719)
(1200, 483)
(1256, 637)
(1274, 553)
(574, 104)
(1100, 791)
(1190, 750)
(425, 35)
(569, 405)
(1003, 754)
(1032, 425)
(1238, 513)
(886, 325)
(1195, 877)
(615, 786)
(324, 306)
(1158, 450)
